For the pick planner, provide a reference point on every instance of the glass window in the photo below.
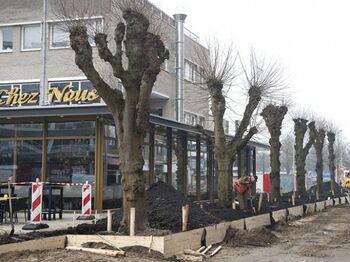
(204, 171)
(82, 128)
(6, 39)
(31, 37)
(71, 160)
(160, 156)
(60, 36)
(93, 27)
(190, 71)
(112, 187)
(21, 160)
(21, 130)
(191, 167)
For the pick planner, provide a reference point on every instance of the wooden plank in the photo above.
(295, 212)
(329, 203)
(320, 206)
(176, 243)
(280, 215)
(36, 244)
(310, 208)
(239, 224)
(343, 200)
(257, 221)
(156, 243)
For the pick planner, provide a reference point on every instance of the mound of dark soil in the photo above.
(224, 213)
(164, 207)
(259, 237)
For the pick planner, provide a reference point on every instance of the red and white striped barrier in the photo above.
(37, 199)
(86, 200)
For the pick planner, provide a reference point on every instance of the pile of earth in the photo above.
(225, 213)
(259, 237)
(164, 209)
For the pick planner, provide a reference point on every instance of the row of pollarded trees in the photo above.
(318, 133)
(135, 56)
(264, 83)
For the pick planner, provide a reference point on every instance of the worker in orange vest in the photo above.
(242, 187)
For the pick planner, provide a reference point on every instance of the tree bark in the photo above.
(273, 116)
(301, 152)
(319, 136)
(332, 156)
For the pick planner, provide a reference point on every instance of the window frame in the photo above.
(53, 23)
(2, 38)
(22, 37)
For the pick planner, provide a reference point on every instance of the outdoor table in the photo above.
(3, 186)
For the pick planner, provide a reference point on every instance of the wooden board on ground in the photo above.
(320, 206)
(36, 244)
(310, 208)
(336, 201)
(280, 215)
(257, 221)
(295, 212)
(155, 243)
(175, 243)
(329, 203)
(343, 200)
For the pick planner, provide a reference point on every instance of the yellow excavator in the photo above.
(344, 177)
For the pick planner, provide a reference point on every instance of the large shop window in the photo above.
(112, 188)
(6, 39)
(20, 152)
(31, 37)
(191, 166)
(71, 160)
(160, 156)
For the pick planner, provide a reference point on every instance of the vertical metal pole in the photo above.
(198, 168)
(169, 155)
(43, 54)
(179, 19)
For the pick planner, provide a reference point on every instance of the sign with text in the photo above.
(16, 96)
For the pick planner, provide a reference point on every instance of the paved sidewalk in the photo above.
(66, 221)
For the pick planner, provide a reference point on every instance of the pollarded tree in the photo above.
(331, 158)
(218, 73)
(301, 151)
(319, 134)
(135, 61)
(273, 116)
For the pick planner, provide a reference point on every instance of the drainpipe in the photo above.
(179, 20)
(43, 77)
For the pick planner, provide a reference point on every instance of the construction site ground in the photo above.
(323, 236)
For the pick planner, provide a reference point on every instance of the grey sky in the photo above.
(310, 38)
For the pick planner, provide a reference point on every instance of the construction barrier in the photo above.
(37, 199)
(86, 200)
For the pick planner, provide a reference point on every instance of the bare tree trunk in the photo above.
(145, 53)
(275, 168)
(301, 152)
(331, 140)
(318, 145)
(273, 116)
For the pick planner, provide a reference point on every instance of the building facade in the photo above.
(55, 127)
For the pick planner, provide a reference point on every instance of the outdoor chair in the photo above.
(2, 212)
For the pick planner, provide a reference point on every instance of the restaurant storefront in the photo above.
(73, 140)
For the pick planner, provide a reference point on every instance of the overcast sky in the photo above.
(310, 38)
